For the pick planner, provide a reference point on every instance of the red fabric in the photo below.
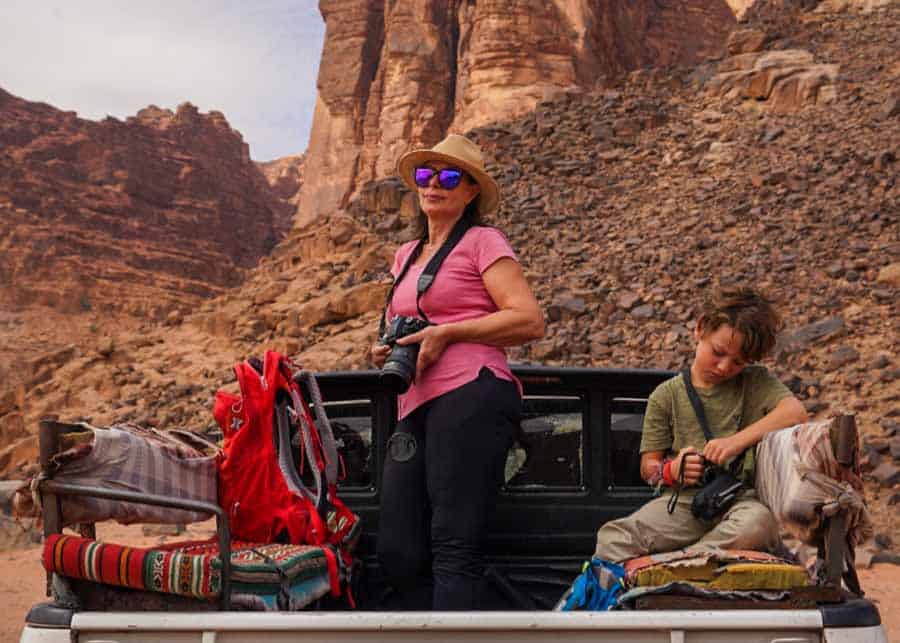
(251, 486)
(667, 473)
(92, 560)
(333, 576)
(134, 569)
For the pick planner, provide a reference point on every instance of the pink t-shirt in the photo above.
(457, 293)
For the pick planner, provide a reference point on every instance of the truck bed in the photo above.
(574, 469)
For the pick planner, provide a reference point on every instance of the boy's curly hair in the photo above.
(748, 312)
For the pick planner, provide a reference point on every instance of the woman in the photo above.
(456, 422)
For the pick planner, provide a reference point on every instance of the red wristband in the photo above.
(667, 474)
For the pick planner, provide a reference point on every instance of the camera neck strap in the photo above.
(694, 397)
(428, 274)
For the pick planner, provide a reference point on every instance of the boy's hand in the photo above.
(721, 450)
(692, 462)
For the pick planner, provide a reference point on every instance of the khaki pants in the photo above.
(748, 524)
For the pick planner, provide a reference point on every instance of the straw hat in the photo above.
(462, 153)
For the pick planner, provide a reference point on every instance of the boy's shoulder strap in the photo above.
(701, 415)
(696, 403)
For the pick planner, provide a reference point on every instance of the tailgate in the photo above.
(764, 626)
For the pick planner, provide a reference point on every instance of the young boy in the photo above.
(742, 403)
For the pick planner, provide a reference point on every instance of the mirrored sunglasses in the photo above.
(448, 178)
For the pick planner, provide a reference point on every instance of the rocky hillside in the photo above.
(398, 74)
(142, 216)
(775, 165)
(105, 224)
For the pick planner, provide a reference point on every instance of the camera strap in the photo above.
(701, 414)
(428, 274)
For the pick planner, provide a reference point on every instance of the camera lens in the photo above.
(399, 368)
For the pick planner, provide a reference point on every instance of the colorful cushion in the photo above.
(753, 576)
(721, 569)
(298, 574)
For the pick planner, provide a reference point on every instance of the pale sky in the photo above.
(256, 61)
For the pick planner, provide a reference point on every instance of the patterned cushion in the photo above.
(722, 569)
(261, 573)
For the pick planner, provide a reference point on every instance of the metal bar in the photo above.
(48, 445)
(838, 551)
(48, 441)
(834, 549)
(70, 489)
(846, 439)
(509, 623)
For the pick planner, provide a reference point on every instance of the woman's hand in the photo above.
(432, 341)
(721, 450)
(379, 353)
(692, 461)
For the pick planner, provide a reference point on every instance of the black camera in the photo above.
(719, 488)
(400, 366)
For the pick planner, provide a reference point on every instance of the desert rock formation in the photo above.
(143, 216)
(400, 74)
(787, 80)
(740, 7)
(285, 177)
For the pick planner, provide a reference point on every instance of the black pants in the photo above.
(441, 477)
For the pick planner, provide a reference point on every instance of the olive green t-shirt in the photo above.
(670, 423)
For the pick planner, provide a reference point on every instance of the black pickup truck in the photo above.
(575, 466)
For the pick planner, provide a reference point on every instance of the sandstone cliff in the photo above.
(141, 216)
(400, 74)
(285, 177)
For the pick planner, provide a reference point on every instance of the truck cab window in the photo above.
(351, 421)
(626, 423)
(549, 452)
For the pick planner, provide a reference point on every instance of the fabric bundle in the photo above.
(129, 457)
(799, 478)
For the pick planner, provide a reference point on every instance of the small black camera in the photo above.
(400, 366)
(719, 488)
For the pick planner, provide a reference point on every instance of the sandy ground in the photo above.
(22, 580)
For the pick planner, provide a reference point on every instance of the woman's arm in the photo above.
(788, 412)
(518, 320)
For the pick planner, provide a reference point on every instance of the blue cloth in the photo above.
(598, 587)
